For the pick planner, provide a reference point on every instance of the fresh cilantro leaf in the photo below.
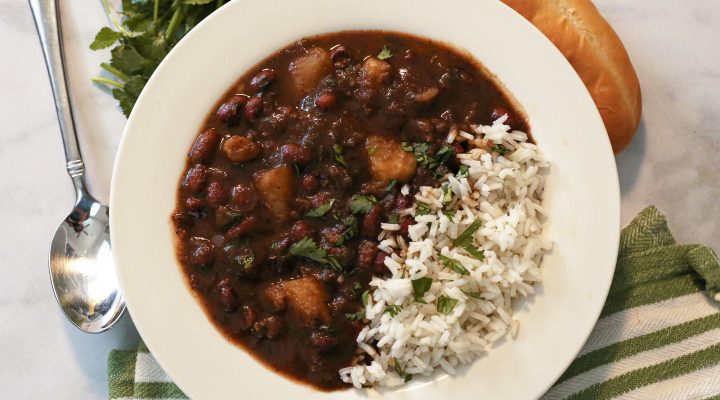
(365, 297)
(371, 150)
(422, 209)
(454, 265)
(356, 286)
(360, 204)
(384, 53)
(339, 154)
(391, 185)
(147, 32)
(401, 371)
(476, 295)
(106, 37)
(445, 153)
(350, 232)
(445, 304)
(500, 149)
(449, 213)
(405, 146)
(420, 287)
(322, 210)
(393, 219)
(463, 172)
(466, 242)
(357, 316)
(307, 248)
(447, 194)
(393, 309)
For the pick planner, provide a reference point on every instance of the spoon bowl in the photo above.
(82, 269)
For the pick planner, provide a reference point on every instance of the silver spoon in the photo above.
(81, 265)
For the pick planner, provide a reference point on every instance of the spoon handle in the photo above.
(47, 21)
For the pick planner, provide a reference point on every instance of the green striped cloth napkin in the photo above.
(658, 336)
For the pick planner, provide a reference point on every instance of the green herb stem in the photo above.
(174, 23)
(109, 68)
(108, 82)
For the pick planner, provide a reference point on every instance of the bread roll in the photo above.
(595, 51)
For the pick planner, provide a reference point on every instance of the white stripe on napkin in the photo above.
(646, 319)
(634, 362)
(148, 370)
(700, 384)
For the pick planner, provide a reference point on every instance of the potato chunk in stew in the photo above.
(388, 160)
(275, 187)
(306, 298)
(307, 70)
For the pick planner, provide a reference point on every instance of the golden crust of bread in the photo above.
(598, 56)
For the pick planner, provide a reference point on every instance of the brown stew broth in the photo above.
(315, 124)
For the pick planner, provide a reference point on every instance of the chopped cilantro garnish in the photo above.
(364, 296)
(500, 149)
(401, 371)
(322, 210)
(371, 150)
(339, 154)
(393, 309)
(445, 304)
(449, 213)
(466, 242)
(307, 248)
(420, 287)
(422, 209)
(391, 185)
(454, 265)
(447, 194)
(393, 219)
(476, 295)
(357, 316)
(360, 204)
(463, 172)
(445, 153)
(350, 232)
(384, 54)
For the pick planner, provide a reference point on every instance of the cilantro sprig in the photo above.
(147, 32)
(307, 248)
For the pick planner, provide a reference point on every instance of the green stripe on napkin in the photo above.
(659, 332)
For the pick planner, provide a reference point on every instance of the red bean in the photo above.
(243, 227)
(231, 110)
(249, 316)
(204, 146)
(216, 195)
(226, 295)
(262, 79)
(340, 56)
(253, 108)
(402, 202)
(371, 222)
(310, 183)
(194, 203)
(379, 267)
(202, 252)
(404, 226)
(300, 230)
(325, 101)
(367, 251)
(295, 153)
(195, 178)
(243, 198)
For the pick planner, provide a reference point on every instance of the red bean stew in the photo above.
(290, 178)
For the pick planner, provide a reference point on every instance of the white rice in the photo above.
(504, 193)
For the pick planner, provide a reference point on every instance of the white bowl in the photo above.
(581, 199)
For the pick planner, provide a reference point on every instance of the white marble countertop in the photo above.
(673, 163)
